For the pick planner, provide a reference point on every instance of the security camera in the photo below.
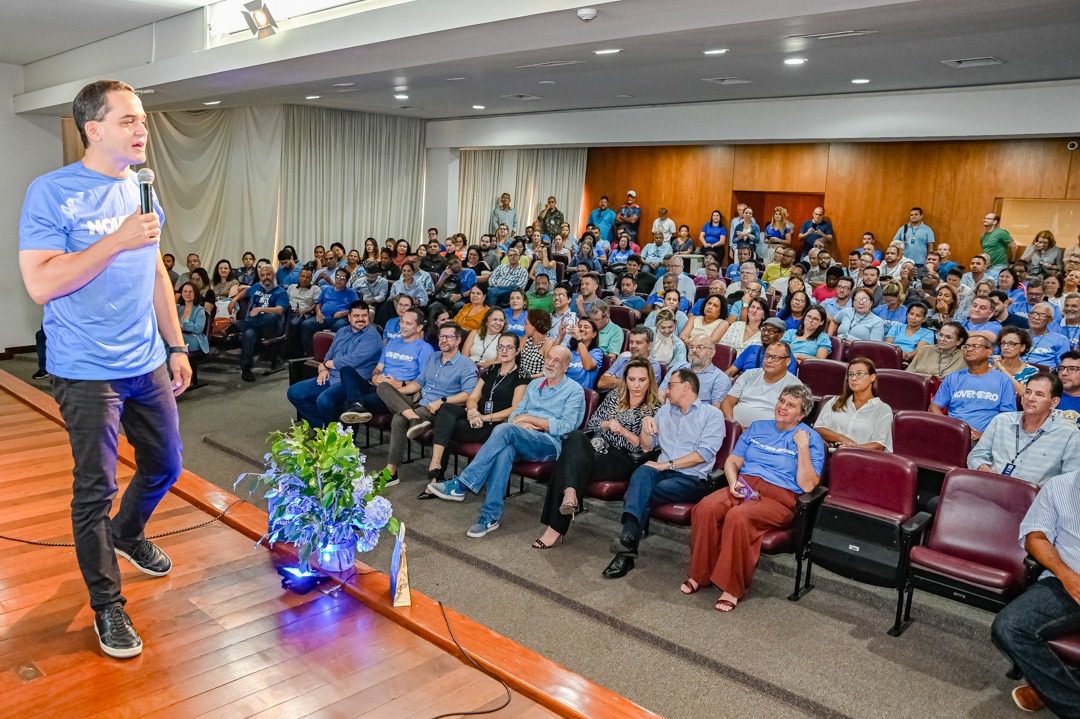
(1071, 146)
(587, 14)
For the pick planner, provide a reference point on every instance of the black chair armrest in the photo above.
(916, 525)
(806, 507)
(1032, 570)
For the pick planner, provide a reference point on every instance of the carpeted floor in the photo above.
(826, 655)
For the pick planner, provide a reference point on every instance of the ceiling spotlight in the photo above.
(546, 82)
(343, 84)
(259, 20)
(795, 61)
(312, 97)
(718, 51)
(479, 107)
(400, 96)
(608, 51)
(454, 79)
(860, 81)
(400, 88)
(212, 102)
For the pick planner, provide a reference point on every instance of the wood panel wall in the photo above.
(867, 185)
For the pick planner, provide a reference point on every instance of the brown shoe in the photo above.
(1025, 697)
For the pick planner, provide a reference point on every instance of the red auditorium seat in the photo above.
(723, 357)
(935, 443)
(902, 390)
(625, 317)
(882, 354)
(823, 376)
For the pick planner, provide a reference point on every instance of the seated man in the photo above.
(554, 406)
(303, 299)
(1046, 444)
(689, 433)
(539, 295)
(684, 283)
(755, 392)
(626, 296)
(610, 337)
(402, 361)
(266, 311)
(357, 346)
(641, 338)
(1069, 372)
(643, 279)
(784, 258)
(999, 311)
(980, 318)
(753, 357)
(506, 278)
(454, 282)
(331, 310)
(979, 392)
(1047, 346)
(371, 287)
(433, 261)
(1050, 608)
(713, 385)
(842, 299)
(447, 378)
(669, 283)
(587, 298)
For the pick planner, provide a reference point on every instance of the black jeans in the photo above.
(252, 330)
(93, 411)
(578, 465)
(39, 345)
(1023, 628)
(360, 389)
(452, 423)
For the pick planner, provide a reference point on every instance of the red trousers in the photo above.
(726, 532)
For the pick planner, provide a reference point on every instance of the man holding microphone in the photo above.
(91, 255)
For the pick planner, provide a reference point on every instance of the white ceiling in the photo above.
(32, 30)
(1037, 40)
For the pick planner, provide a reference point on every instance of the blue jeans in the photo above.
(649, 486)
(1021, 630)
(492, 464)
(318, 404)
(93, 411)
(253, 329)
(359, 389)
(495, 295)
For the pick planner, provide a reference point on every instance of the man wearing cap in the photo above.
(629, 217)
(979, 393)
(753, 357)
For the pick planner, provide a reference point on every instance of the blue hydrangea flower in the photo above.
(367, 539)
(377, 513)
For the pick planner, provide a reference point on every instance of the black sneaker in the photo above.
(147, 557)
(40, 374)
(247, 375)
(115, 634)
(356, 414)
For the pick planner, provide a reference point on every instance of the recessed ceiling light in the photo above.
(401, 97)
(860, 81)
(479, 107)
(718, 51)
(313, 97)
(400, 88)
(546, 82)
(795, 61)
(608, 51)
(343, 84)
(454, 79)
(624, 96)
(213, 102)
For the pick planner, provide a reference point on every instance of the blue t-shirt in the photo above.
(806, 347)
(976, 399)
(259, 296)
(392, 331)
(753, 357)
(825, 226)
(633, 302)
(585, 378)
(334, 301)
(906, 342)
(107, 328)
(1069, 408)
(516, 324)
(604, 221)
(1047, 349)
(405, 360)
(286, 278)
(773, 455)
(713, 234)
(893, 317)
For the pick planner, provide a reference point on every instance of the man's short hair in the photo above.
(643, 330)
(635, 258)
(917, 209)
(169, 254)
(855, 253)
(592, 276)
(285, 254)
(954, 272)
(1056, 389)
(802, 393)
(358, 305)
(456, 328)
(1000, 295)
(834, 271)
(847, 279)
(91, 105)
(871, 267)
(685, 374)
(601, 308)
(416, 312)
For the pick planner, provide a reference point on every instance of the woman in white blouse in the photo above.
(743, 334)
(481, 345)
(858, 417)
(858, 322)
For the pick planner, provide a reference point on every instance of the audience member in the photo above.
(585, 353)
(741, 334)
(626, 295)
(629, 216)
(841, 300)
(911, 336)
(193, 319)
(755, 392)
(818, 227)
(713, 236)
(979, 392)
(504, 214)
(775, 460)
(857, 417)
(753, 357)
(481, 345)
(980, 319)
(916, 236)
(1069, 372)
(683, 243)
(225, 285)
(369, 285)
(1047, 347)
(711, 323)
(331, 311)
(267, 304)
(999, 310)
(610, 335)
(641, 339)
(858, 322)
(563, 318)
(471, 316)
(1014, 342)
(996, 243)
(667, 348)
(201, 280)
(1042, 256)
(809, 339)
(673, 302)
(537, 345)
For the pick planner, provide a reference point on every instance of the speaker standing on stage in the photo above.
(91, 256)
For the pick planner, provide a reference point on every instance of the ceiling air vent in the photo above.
(521, 96)
(836, 35)
(550, 63)
(727, 80)
(967, 62)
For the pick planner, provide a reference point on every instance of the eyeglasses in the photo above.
(447, 337)
(970, 346)
(775, 358)
(1068, 369)
(1009, 343)
(505, 348)
(857, 375)
(1040, 314)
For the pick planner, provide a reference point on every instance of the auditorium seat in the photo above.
(902, 390)
(936, 443)
(303, 368)
(882, 354)
(625, 317)
(823, 376)
(274, 346)
(839, 348)
(972, 554)
(723, 357)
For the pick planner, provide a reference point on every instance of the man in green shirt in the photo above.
(539, 295)
(997, 243)
(610, 338)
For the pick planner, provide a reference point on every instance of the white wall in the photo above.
(30, 146)
(441, 191)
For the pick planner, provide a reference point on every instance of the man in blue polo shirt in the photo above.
(603, 218)
(90, 254)
(288, 273)
(818, 227)
(979, 393)
(1047, 347)
(448, 377)
(357, 346)
(266, 311)
(332, 309)
(917, 237)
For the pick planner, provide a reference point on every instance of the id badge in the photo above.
(1007, 470)
(489, 407)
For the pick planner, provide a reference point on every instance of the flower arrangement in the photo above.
(320, 496)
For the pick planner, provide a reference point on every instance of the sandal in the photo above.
(437, 475)
(539, 543)
(568, 509)
(689, 586)
(724, 605)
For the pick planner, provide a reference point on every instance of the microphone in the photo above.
(146, 178)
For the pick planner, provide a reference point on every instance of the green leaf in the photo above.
(393, 526)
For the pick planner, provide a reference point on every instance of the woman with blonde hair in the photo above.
(778, 232)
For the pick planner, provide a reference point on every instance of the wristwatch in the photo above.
(177, 350)
(671, 465)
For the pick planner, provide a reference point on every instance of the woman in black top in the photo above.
(499, 391)
(608, 449)
(201, 279)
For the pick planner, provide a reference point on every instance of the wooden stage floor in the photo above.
(222, 639)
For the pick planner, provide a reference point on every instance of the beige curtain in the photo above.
(218, 176)
(545, 172)
(481, 180)
(348, 176)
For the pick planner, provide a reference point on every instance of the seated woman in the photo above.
(517, 313)
(682, 243)
(742, 334)
(474, 260)
(667, 349)
(858, 322)
(608, 449)
(537, 344)
(496, 395)
(911, 336)
(437, 316)
(471, 316)
(672, 300)
(857, 417)
(193, 319)
(585, 255)
(225, 284)
(480, 345)
(794, 309)
(809, 339)
(891, 310)
(201, 280)
(407, 284)
(945, 310)
(710, 324)
(1014, 342)
(773, 463)
(585, 353)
